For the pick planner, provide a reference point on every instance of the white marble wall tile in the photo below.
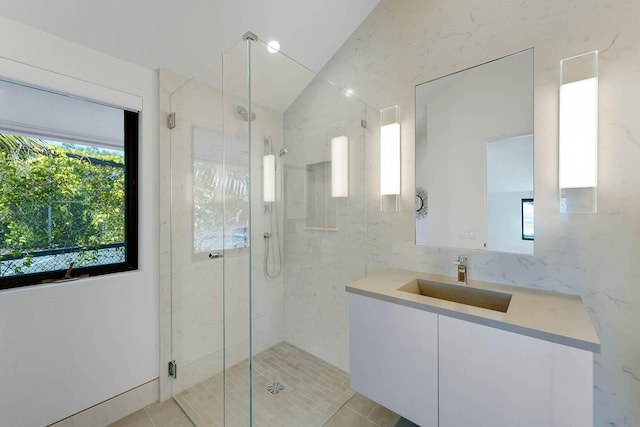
(594, 255)
(318, 264)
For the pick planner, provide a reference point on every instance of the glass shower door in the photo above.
(211, 242)
(261, 246)
(308, 235)
(197, 246)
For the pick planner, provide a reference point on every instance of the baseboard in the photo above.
(113, 409)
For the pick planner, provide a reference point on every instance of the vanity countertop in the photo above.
(547, 315)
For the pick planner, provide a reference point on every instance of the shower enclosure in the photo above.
(257, 247)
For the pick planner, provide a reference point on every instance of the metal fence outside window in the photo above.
(59, 259)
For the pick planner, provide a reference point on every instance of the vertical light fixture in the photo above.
(578, 133)
(340, 166)
(269, 178)
(390, 159)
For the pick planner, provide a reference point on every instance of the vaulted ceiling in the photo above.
(184, 36)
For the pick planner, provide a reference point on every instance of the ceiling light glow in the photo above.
(273, 46)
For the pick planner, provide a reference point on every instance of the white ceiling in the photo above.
(184, 36)
(276, 80)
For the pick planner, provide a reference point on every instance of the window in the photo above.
(527, 219)
(68, 187)
(220, 192)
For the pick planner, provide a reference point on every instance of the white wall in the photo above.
(65, 347)
(595, 255)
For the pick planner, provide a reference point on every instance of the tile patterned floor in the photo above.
(360, 411)
(313, 391)
(314, 395)
(161, 414)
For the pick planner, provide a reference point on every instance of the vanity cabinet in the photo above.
(394, 357)
(438, 370)
(491, 377)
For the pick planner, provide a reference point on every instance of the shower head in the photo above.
(283, 151)
(244, 114)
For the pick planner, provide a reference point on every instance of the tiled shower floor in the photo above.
(314, 393)
(308, 391)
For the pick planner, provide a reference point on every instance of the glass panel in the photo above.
(198, 237)
(237, 262)
(300, 317)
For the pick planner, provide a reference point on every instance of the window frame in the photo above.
(131, 217)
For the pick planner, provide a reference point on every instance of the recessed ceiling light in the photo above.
(273, 46)
(348, 92)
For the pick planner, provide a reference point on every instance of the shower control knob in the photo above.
(215, 255)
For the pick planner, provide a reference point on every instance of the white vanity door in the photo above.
(494, 378)
(394, 357)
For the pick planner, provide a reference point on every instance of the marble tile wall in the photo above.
(318, 263)
(404, 43)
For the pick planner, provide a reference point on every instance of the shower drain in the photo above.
(275, 387)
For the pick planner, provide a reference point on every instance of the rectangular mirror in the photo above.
(474, 157)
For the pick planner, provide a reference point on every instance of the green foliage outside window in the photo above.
(56, 196)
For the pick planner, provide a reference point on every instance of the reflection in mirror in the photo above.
(422, 203)
(527, 219)
(509, 181)
(474, 155)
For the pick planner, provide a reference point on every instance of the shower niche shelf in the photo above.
(320, 207)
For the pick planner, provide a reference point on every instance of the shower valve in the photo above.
(267, 235)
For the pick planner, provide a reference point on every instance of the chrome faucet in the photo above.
(462, 269)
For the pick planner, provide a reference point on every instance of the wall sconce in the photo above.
(578, 133)
(269, 178)
(340, 166)
(390, 159)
